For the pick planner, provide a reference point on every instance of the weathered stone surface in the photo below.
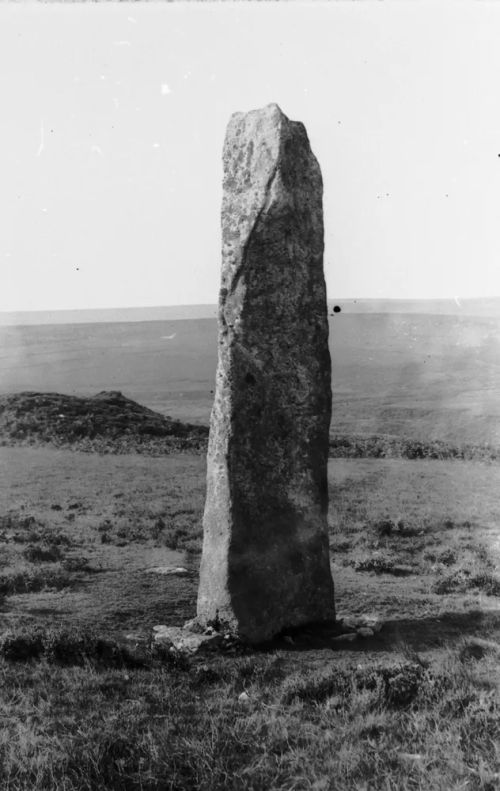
(265, 561)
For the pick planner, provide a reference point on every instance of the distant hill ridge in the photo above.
(107, 315)
(106, 422)
(487, 306)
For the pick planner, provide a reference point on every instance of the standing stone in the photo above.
(265, 562)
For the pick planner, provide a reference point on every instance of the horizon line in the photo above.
(454, 298)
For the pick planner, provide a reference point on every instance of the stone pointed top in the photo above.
(266, 158)
(271, 110)
(270, 113)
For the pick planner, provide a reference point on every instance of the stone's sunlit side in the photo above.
(265, 561)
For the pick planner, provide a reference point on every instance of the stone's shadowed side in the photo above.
(265, 562)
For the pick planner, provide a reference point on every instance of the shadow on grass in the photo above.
(443, 631)
(41, 611)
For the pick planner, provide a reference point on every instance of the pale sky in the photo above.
(112, 124)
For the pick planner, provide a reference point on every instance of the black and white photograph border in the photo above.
(250, 396)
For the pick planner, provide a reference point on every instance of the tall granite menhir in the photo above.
(265, 562)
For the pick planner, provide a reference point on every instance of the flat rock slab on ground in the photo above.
(185, 641)
(174, 571)
(360, 623)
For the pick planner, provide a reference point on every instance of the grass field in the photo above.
(415, 706)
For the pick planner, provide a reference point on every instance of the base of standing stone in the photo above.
(253, 618)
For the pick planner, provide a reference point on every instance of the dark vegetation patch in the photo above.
(33, 580)
(71, 646)
(392, 447)
(175, 530)
(382, 563)
(40, 553)
(396, 684)
(464, 579)
(76, 563)
(105, 423)
(27, 529)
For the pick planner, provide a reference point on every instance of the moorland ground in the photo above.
(414, 706)
(86, 703)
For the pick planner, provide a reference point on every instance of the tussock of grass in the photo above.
(178, 530)
(396, 685)
(463, 579)
(32, 580)
(487, 583)
(28, 529)
(381, 563)
(475, 648)
(396, 528)
(447, 557)
(40, 553)
(76, 563)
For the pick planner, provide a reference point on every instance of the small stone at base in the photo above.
(193, 625)
(345, 638)
(184, 641)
